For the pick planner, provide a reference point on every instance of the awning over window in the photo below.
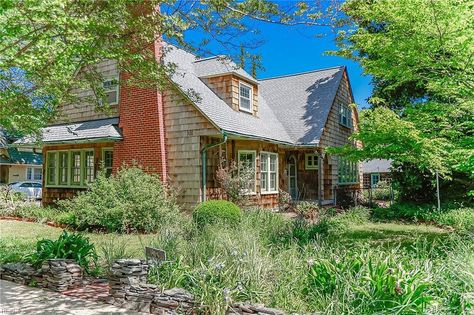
(81, 132)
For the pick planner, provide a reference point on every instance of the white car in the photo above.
(33, 190)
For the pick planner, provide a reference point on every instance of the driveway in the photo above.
(20, 299)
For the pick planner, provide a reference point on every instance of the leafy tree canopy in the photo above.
(420, 54)
(44, 44)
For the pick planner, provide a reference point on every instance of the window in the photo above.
(247, 159)
(73, 168)
(245, 97)
(268, 172)
(63, 168)
(111, 89)
(108, 159)
(34, 173)
(51, 168)
(374, 179)
(348, 172)
(311, 161)
(89, 158)
(345, 116)
(76, 167)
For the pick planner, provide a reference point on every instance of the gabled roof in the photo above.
(302, 102)
(376, 166)
(102, 129)
(292, 109)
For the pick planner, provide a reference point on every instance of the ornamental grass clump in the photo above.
(129, 201)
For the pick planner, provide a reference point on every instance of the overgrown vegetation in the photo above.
(68, 246)
(129, 201)
(235, 180)
(341, 264)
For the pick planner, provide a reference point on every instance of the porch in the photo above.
(306, 173)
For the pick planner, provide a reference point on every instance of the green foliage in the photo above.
(235, 179)
(68, 246)
(308, 210)
(459, 218)
(216, 211)
(129, 201)
(419, 55)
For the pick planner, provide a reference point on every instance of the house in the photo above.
(18, 164)
(213, 111)
(375, 171)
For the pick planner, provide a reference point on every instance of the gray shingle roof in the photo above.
(302, 102)
(292, 109)
(377, 166)
(218, 65)
(81, 131)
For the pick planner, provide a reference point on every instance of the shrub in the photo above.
(216, 211)
(461, 219)
(307, 210)
(235, 180)
(67, 246)
(129, 201)
(284, 200)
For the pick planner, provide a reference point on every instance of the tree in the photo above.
(420, 54)
(50, 47)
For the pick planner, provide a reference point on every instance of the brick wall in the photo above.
(143, 129)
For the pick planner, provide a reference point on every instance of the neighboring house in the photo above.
(375, 171)
(213, 111)
(19, 164)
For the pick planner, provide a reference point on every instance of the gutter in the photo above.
(204, 159)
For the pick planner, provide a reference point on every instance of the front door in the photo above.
(292, 180)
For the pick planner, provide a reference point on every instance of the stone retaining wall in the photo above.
(55, 274)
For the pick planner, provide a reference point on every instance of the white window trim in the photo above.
(342, 109)
(33, 173)
(307, 166)
(268, 172)
(117, 88)
(372, 174)
(251, 98)
(254, 152)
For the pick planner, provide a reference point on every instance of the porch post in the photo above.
(320, 178)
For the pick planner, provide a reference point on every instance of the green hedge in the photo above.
(217, 211)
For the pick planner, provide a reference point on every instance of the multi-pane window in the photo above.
(76, 166)
(311, 161)
(70, 168)
(348, 171)
(111, 89)
(108, 159)
(245, 97)
(374, 179)
(63, 168)
(34, 173)
(345, 116)
(89, 159)
(51, 168)
(268, 172)
(247, 160)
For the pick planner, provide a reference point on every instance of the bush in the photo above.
(235, 180)
(129, 201)
(67, 246)
(307, 210)
(216, 211)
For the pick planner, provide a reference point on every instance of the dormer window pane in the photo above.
(245, 97)
(111, 88)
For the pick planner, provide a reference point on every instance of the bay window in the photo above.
(70, 168)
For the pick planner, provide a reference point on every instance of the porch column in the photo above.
(320, 178)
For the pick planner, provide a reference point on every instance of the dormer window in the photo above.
(111, 89)
(245, 97)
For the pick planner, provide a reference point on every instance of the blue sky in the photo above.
(289, 50)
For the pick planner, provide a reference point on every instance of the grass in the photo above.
(345, 265)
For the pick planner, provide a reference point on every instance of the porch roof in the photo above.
(87, 131)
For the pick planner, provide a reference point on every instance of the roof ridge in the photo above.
(213, 57)
(299, 73)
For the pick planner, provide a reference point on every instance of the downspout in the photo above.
(203, 163)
